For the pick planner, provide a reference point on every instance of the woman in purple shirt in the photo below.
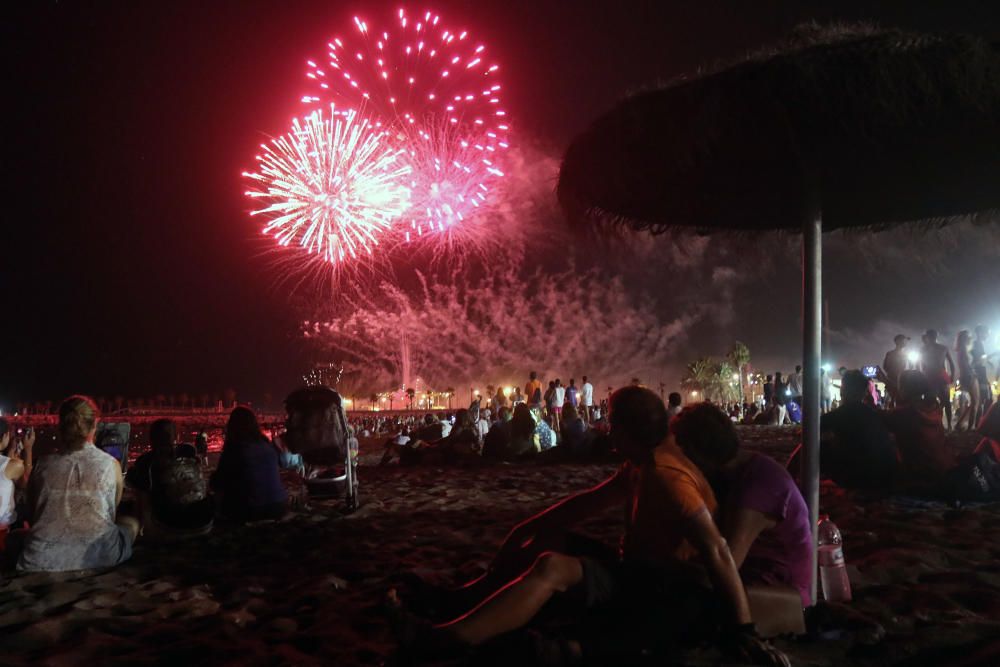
(762, 513)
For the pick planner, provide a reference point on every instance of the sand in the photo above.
(307, 590)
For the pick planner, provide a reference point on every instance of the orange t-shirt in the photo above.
(529, 390)
(663, 495)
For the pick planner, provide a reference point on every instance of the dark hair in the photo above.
(463, 419)
(708, 432)
(523, 424)
(163, 433)
(242, 427)
(913, 386)
(77, 417)
(570, 413)
(769, 378)
(4, 427)
(584, 378)
(853, 386)
(532, 375)
(638, 414)
(798, 368)
(503, 412)
(674, 398)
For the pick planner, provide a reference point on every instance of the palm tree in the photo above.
(698, 375)
(410, 393)
(739, 357)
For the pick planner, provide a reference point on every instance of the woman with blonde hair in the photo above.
(966, 380)
(73, 495)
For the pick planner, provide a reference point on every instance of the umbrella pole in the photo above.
(812, 288)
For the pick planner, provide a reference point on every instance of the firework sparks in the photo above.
(437, 92)
(333, 185)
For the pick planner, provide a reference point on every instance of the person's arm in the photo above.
(29, 454)
(568, 511)
(14, 469)
(951, 364)
(119, 483)
(741, 527)
(719, 564)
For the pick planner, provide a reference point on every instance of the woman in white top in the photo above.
(12, 470)
(73, 496)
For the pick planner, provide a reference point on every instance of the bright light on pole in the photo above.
(913, 356)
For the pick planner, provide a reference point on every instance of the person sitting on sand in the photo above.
(522, 433)
(172, 494)
(247, 478)
(463, 439)
(856, 450)
(763, 516)
(14, 472)
(393, 445)
(573, 432)
(431, 431)
(657, 593)
(461, 443)
(497, 442)
(72, 497)
(544, 437)
(917, 425)
(483, 425)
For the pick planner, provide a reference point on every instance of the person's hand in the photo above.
(29, 439)
(746, 646)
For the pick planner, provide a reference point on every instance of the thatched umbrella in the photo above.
(844, 127)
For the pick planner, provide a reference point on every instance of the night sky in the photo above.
(130, 265)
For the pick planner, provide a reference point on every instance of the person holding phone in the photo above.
(13, 470)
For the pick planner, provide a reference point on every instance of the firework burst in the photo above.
(437, 93)
(333, 185)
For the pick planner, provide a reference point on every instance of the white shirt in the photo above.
(484, 428)
(560, 396)
(7, 513)
(795, 384)
(588, 394)
(445, 428)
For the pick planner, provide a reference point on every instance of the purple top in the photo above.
(779, 555)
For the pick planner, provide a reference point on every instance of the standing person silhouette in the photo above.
(933, 357)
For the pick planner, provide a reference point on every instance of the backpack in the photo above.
(178, 482)
(976, 478)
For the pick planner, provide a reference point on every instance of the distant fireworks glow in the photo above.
(333, 185)
(437, 93)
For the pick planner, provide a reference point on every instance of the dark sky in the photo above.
(129, 263)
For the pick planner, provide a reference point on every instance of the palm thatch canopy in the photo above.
(884, 126)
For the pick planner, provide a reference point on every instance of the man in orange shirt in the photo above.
(533, 390)
(668, 516)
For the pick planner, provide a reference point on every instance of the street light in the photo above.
(913, 356)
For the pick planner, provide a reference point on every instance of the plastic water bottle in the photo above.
(832, 573)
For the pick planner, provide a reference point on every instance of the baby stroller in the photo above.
(316, 427)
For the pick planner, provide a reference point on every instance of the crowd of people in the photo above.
(71, 516)
(708, 525)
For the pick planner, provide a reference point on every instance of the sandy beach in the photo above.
(307, 590)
